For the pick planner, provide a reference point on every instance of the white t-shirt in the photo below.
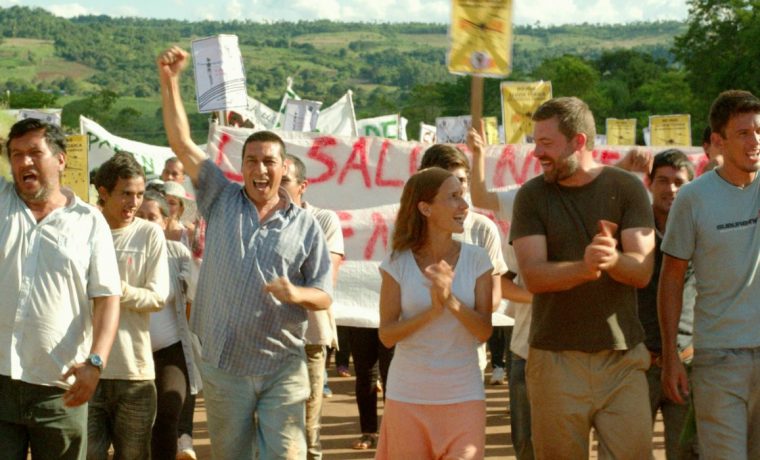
(438, 364)
(141, 256)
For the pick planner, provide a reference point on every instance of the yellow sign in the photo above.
(76, 176)
(621, 131)
(670, 130)
(481, 37)
(491, 125)
(518, 102)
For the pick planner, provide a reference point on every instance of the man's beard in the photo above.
(564, 166)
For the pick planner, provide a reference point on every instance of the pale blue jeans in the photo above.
(253, 414)
(727, 402)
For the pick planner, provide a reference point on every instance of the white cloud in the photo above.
(69, 10)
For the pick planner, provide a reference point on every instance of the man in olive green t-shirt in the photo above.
(584, 238)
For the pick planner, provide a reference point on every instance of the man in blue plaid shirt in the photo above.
(266, 262)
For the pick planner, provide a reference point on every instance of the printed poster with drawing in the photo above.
(452, 130)
(519, 99)
(670, 129)
(219, 74)
(621, 131)
(301, 115)
(481, 37)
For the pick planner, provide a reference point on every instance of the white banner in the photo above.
(387, 126)
(339, 119)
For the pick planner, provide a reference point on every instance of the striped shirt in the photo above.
(245, 330)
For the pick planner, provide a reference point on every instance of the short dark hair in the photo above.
(265, 136)
(674, 158)
(444, 156)
(574, 116)
(159, 198)
(706, 135)
(298, 166)
(730, 103)
(54, 136)
(122, 165)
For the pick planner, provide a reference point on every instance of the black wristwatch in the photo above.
(95, 360)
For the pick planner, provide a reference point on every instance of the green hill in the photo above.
(104, 67)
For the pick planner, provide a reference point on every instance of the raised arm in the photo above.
(480, 195)
(171, 63)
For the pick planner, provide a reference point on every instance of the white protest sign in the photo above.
(219, 74)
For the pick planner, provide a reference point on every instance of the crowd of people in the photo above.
(625, 302)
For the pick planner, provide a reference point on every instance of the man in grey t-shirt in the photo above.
(713, 224)
(584, 241)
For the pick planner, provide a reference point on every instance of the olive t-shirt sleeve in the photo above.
(638, 210)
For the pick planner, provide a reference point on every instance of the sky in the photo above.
(545, 12)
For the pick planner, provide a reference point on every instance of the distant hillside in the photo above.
(381, 63)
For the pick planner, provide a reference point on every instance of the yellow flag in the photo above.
(481, 37)
(621, 131)
(76, 175)
(518, 102)
(670, 129)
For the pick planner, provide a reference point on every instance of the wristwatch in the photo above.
(95, 360)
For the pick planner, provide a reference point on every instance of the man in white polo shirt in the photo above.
(56, 256)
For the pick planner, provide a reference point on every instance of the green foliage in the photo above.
(719, 50)
(104, 67)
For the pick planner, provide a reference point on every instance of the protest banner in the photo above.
(301, 115)
(481, 38)
(621, 131)
(339, 119)
(387, 126)
(518, 102)
(427, 133)
(219, 74)
(361, 178)
(76, 175)
(288, 96)
(670, 130)
(452, 130)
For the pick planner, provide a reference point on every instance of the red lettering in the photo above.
(379, 180)
(701, 165)
(507, 162)
(221, 158)
(345, 217)
(316, 153)
(607, 156)
(414, 159)
(358, 152)
(380, 231)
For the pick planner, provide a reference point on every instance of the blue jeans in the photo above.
(519, 410)
(33, 416)
(121, 412)
(257, 413)
(727, 402)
